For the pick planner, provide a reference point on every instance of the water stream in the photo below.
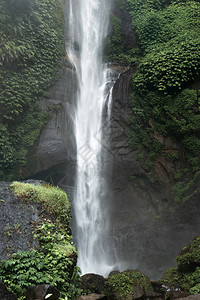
(88, 23)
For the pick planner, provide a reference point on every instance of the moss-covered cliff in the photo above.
(165, 88)
(32, 43)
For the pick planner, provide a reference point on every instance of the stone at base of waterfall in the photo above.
(42, 291)
(92, 297)
(191, 297)
(175, 293)
(5, 294)
(112, 273)
(129, 285)
(92, 283)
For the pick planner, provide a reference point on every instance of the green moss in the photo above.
(125, 284)
(53, 199)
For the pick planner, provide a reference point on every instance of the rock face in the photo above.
(129, 36)
(53, 147)
(92, 283)
(55, 151)
(16, 220)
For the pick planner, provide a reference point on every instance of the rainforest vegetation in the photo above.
(166, 86)
(32, 43)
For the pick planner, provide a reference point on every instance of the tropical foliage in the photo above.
(31, 38)
(163, 101)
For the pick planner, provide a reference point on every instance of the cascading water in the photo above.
(89, 22)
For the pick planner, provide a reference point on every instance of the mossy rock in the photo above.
(189, 258)
(187, 274)
(187, 282)
(92, 283)
(171, 277)
(128, 285)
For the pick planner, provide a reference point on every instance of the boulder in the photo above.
(42, 292)
(189, 258)
(5, 294)
(92, 283)
(128, 285)
(112, 273)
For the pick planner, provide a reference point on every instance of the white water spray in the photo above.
(89, 19)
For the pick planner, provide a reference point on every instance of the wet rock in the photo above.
(175, 293)
(57, 141)
(5, 294)
(113, 273)
(129, 36)
(191, 297)
(92, 297)
(189, 258)
(42, 292)
(16, 220)
(159, 289)
(92, 283)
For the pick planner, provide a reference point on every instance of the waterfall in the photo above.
(88, 24)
